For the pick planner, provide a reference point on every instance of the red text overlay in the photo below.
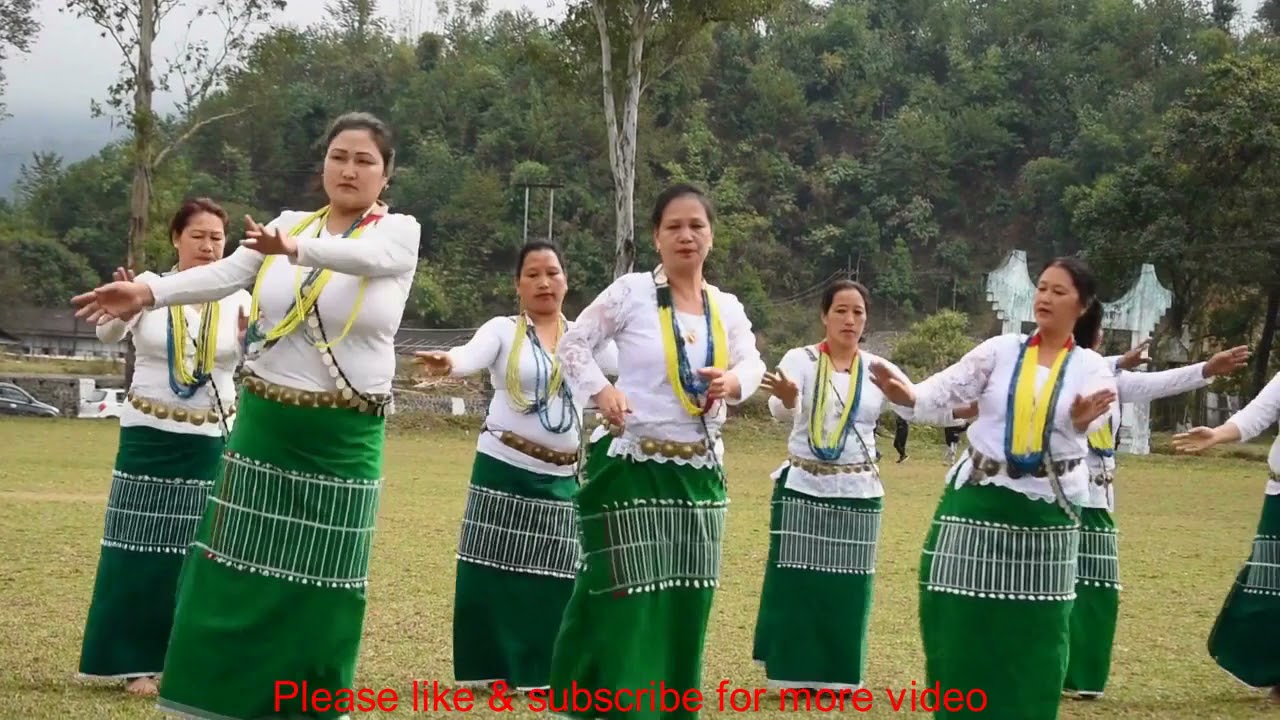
(436, 697)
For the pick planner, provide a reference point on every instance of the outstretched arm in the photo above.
(205, 283)
(1260, 414)
(385, 249)
(479, 352)
(1148, 386)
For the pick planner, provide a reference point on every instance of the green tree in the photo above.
(933, 344)
(642, 38)
(41, 272)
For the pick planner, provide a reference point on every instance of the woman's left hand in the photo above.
(1227, 361)
(266, 241)
(1088, 408)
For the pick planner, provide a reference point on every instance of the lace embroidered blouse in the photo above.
(1135, 387)
(984, 375)
(627, 313)
(150, 330)
(1261, 413)
(489, 349)
(386, 253)
(861, 445)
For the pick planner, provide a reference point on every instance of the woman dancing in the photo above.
(811, 631)
(1097, 604)
(997, 577)
(652, 509)
(169, 453)
(1245, 640)
(274, 588)
(519, 536)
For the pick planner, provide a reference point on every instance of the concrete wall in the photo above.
(60, 391)
(410, 401)
(63, 392)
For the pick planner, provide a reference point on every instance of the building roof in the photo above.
(21, 322)
(411, 340)
(880, 342)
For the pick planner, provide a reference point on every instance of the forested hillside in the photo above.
(909, 142)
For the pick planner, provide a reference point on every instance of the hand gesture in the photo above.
(1197, 439)
(895, 390)
(120, 299)
(1133, 358)
(268, 242)
(434, 362)
(612, 404)
(1088, 408)
(92, 312)
(1227, 361)
(724, 384)
(781, 387)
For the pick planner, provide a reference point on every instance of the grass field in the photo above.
(1186, 525)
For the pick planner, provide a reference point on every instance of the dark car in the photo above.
(16, 401)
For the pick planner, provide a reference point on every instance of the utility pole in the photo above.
(551, 206)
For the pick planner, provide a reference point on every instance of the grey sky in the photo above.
(71, 63)
(50, 89)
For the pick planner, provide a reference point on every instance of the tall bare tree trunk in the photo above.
(1262, 354)
(143, 134)
(622, 137)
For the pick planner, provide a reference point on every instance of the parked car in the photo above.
(102, 403)
(16, 401)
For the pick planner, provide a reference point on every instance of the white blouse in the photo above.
(386, 253)
(984, 375)
(1134, 387)
(627, 313)
(150, 329)
(1261, 413)
(861, 445)
(489, 349)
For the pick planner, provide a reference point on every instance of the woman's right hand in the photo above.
(121, 299)
(435, 362)
(781, 387)
(1197, 439)
(894, 389)
(612, 404)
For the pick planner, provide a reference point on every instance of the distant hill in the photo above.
(75, 136)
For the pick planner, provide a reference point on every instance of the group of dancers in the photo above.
(240, 524)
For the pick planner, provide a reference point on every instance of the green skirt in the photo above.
(159, 489)
(997, 580)
(651, 535)
(1097, 604)
(1245, 640)
(811, 630)
(519, 540)
(274, 587)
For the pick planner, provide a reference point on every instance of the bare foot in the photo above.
(1275, 694)
(144, 686)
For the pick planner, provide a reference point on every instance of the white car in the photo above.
(102, 403)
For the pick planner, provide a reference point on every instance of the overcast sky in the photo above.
(49, 89)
